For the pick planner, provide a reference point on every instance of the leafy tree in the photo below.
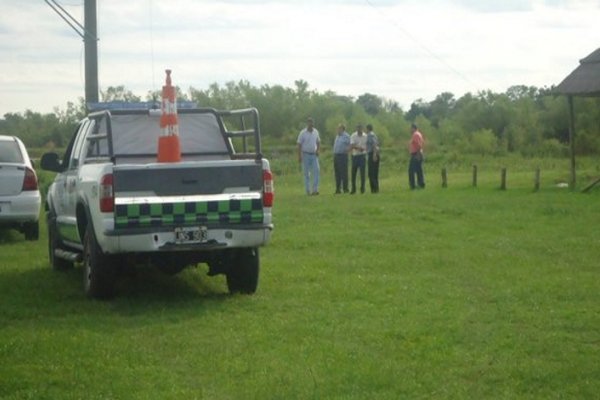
(391, 106)
(73, 112)
(302, 91)
(449, 133)
(419, 107)
(554, 118)
(371, 103)
(118, 93)
(518, 92)
(524, 119)
(441, 108)
(35, 129)
(483, 142)
(156, 95)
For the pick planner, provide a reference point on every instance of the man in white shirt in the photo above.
(309, 143)
(358, 144)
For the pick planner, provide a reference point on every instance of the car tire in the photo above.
(31, 230)
(54, 243)
(242, 274)
(98, 272)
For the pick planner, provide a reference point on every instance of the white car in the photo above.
(20, 198)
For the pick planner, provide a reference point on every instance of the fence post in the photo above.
(536, 185)
(444, 178)
(474, 175)
(503, 179)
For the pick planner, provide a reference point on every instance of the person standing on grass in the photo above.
(373, 159)
(358, 144)
(415, 165)
(309, 144)
(341, 147)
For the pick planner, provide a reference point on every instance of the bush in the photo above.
(586, 143)
(483, 142)
(553, 148)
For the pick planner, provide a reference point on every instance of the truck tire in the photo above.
(31, 230)
(98, 272)
(242, 274)
(57, 264)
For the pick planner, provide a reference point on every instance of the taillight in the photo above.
(268, 192)
(107, 198)
(30, 181)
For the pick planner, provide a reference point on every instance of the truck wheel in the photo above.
(31, 230)
(98, 273)
(242, 276)
(54, 243)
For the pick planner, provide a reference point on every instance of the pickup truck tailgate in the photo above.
(211, 193)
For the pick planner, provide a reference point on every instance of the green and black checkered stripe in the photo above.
(189, 213)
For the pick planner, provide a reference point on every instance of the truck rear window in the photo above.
(138, 134)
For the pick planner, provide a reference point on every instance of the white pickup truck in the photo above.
(112, 205)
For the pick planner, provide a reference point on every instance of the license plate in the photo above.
(192, 234)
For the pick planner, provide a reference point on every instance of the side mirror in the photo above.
(51, 162)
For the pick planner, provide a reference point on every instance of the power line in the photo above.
(423, 48)
(70, 20)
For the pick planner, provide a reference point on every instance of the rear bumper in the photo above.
(163, 240)
(19, 209)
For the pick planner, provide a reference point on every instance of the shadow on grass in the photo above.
(43, 293)
(9, 236)
(150, 285)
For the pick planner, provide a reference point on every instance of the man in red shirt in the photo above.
(415, 166)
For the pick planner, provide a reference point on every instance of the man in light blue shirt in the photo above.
(309, 143)
(341, 147)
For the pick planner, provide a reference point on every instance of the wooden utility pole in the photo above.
(88, 32)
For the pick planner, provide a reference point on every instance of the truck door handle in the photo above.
(189, 181)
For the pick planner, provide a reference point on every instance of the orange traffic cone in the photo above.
(169, 148)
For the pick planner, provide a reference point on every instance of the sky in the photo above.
(402, 50)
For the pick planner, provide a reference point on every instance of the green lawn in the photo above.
(442, 293)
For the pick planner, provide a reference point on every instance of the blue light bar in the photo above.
(142, 105)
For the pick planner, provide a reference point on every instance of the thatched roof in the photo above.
(585, 79)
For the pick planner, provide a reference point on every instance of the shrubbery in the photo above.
(524, 120)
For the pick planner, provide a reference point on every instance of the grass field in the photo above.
(441, 293)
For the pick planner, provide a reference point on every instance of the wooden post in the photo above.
(536, 184)
(474, 175)
(444, 178)
(572, 181)
(503, 179)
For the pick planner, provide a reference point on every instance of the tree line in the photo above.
(524, 119)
